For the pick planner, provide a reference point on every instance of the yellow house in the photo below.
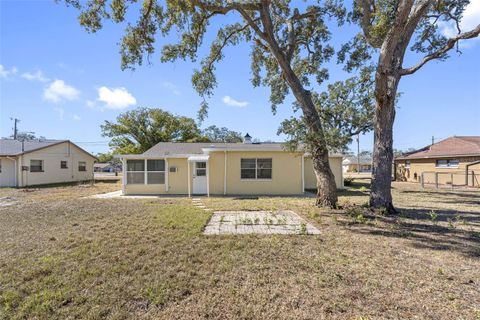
(454, 161)
(222, 169)
(37, 162)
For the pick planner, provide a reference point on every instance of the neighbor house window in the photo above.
(36, 165)
(450, 163)
(82, 166)
(256, 168)
(135, 171)
(156, 171)
(0, 165)
(407, 163)
(63, 165)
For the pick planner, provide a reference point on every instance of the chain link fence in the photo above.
(450, 180)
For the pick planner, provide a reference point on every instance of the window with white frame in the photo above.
(407, 163)
(447, 163)
(256, 169)
(135, 171)
(156, 171)
(36, 165)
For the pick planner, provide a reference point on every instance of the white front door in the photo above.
(200, 177)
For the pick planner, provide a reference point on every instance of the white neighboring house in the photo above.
(35, 162)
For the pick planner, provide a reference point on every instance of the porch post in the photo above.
(166, 174)
(145, 173)
(225, 174)
(124, 174)
(189, 178)
(208, 178)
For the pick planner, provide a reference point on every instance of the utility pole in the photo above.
(15, 129)
(358, 153)
(433, 140)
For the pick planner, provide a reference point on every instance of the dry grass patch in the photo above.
(64, 257)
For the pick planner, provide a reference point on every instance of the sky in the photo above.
(63, 83)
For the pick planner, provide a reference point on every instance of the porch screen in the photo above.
(156, 171)
(135, 171)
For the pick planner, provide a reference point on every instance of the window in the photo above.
(135, 171)
(407, 163)
(450, 163)
(63, 165)
(82, 166)
(201, 169)
(36, 165)
(258, 169)
(0, 165)
(156, 171)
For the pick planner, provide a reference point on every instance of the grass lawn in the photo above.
(63, 256)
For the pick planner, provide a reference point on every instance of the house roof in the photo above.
(10, 147)
(185, 149)
(453, 146)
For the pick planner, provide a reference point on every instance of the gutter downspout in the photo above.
(208, 178)
(225, 174)
(303, 173)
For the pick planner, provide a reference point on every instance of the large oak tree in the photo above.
(389, 29)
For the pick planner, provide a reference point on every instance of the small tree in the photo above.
(289, 51)
(388, 27)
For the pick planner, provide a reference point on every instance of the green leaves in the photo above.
(346, 109)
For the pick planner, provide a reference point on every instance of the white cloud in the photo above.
(58, 91)
(229, 101)
(172, 87)
(60, 112)
(471, 17)
(116, 98)
(5, 73)
(37, 76)
(76, 117)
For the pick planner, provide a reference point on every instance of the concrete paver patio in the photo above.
(259, 222)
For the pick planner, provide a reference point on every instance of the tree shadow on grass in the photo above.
(450, 230)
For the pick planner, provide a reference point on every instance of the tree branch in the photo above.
(366, 18)
(442, 51)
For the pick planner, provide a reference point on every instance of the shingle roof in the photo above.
(10, 147)
(184, 148)
(453, 146)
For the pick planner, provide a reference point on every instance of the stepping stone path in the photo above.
(258, 222)
(197, 202)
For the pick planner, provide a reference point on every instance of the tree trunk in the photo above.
(326, 186)
(385, 95)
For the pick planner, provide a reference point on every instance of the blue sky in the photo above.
(63, 83)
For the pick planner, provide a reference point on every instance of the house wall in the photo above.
(335, 165)
(52, 173)
(7, 175)
(427, 166)
(286, 175)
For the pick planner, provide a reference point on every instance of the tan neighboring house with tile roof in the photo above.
(222, 169)
(455, 159)
(35, 162)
